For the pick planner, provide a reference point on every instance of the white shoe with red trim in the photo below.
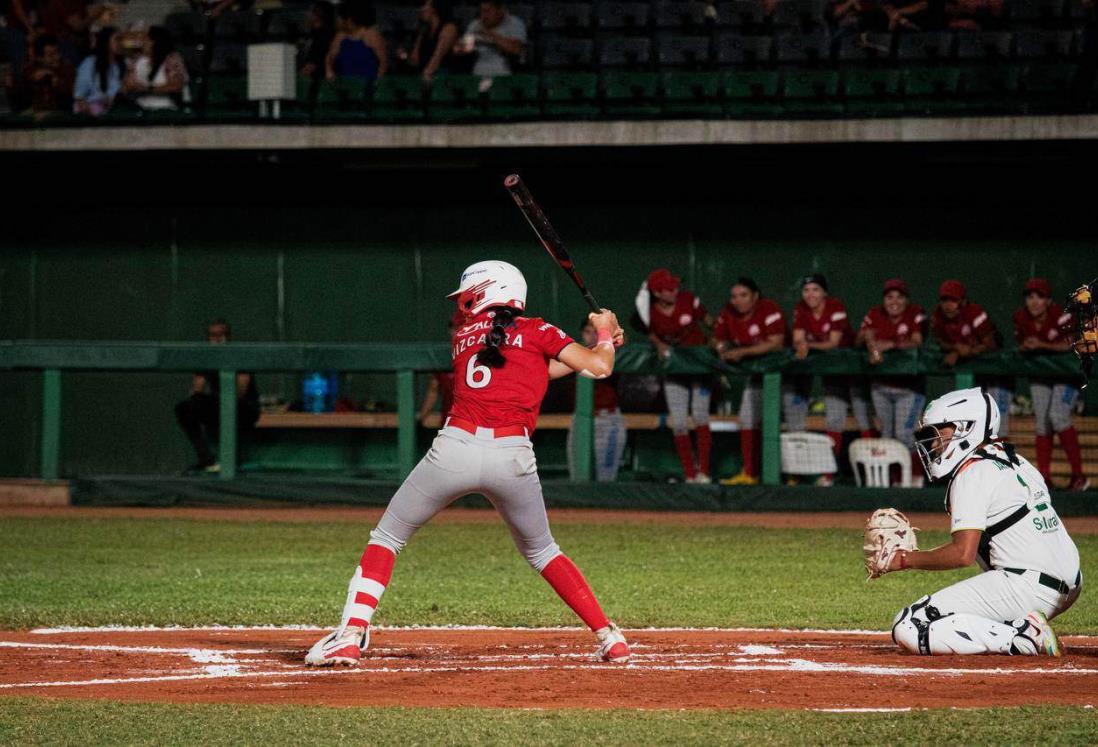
(1035, 629)
(341, 646)
(612, 645)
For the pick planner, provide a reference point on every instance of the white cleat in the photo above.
(341, 646)
(1040, 632)
(612, 645)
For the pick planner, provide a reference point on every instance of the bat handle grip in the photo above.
(592, 303)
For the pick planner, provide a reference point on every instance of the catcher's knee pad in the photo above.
(386, 539)
(911, 627)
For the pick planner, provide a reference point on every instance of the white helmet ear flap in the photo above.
(992, 419)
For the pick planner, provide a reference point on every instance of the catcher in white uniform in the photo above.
(1002, 518)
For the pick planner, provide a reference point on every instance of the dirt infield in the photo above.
(536, 668)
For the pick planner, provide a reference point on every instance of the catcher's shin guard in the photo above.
(922, 629)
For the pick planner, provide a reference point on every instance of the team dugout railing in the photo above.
(405, 360)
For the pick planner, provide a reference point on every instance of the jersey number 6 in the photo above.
(477, 377)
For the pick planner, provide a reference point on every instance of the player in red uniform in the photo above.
(502, 366)
(897, 324)
(748, 326)
(964, 330)
(440, 387)
(820, 323)
(672, 317)
(1041, 327)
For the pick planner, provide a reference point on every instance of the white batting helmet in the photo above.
(975, 420)
(490, 283)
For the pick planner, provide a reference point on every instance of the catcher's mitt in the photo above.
(886, 532)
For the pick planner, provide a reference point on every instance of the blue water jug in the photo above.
(315, 392)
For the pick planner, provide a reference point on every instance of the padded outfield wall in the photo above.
(341, 247)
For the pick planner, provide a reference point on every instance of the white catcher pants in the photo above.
(504, 470)
(974, 616)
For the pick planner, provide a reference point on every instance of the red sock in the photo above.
(1069, 440)
(377, 566)
(836, 441)
(1043, 445)
(686, 455)
(570, 585)
(748, 441)
(705, 443)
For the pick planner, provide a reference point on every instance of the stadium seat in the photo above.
(343, 98)
(514, 97)
(935, 45)
(570, 17)
(872, 92)
(734, 49)
(683, 51)
(626, 52)
(984, 45)
(187, 27)
(1047, 85)
(692, 93)
(1033, 44)
(808, 48)
(683, 17)
(455, 97)
(811, 92)
(741, 14)
(227, 94)
(1076, 12)
(632, 93)
(991, 86)
(752, 93)
(928, 89)
(571, 94)
(1034, 12)
(397, 21)
(622, 17)
(786, 17)
(398, 97)
(865, 48)
(563, 52)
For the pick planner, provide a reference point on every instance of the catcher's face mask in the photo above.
(935, 444)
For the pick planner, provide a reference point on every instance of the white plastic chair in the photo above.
(875, 456)
(807, 454)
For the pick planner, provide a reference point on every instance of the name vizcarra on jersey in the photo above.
(467, 337)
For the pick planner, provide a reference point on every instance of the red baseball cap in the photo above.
(896, 284)
(952, 289)
(661, 280)
(1040, 285)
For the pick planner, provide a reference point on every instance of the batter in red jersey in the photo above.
(749, 326)
(502, 366)
(673, 317)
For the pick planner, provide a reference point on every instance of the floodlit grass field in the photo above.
(59, 571)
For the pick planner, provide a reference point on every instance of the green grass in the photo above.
(43, 721)
(185, 572)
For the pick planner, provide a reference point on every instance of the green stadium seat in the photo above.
(811, 92)
(1047, 85)
(692, 94)
(514, 97)
(573, 95)
(992, 87)
(398, 97)
(752, 93)
(636, 94)
(343, 98)
(228, 94)
(455, 98)
(929, 89)
(872, 92)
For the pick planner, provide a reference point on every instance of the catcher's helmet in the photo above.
(490, 283)
(974, 417)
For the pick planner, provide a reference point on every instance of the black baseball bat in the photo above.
(547, 235)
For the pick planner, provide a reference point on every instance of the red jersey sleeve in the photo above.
(1020, 325)
(699, 310)
(838, 318)
(799, 312)
(981, 322)
(722, 331)
(773, 320)
(546, 337)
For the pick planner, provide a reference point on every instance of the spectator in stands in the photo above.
(672, 318)
(99, 77)
(609, 423)
(48, 80)
(897, 324)
(963, 331)
(1041, 327)
(435, 40)
(916, 15)
(497, 38)
(158, 80)
(199, 415)
(749, 326)
(358, 49)
(68, 20)
(847, 17)
(322, 30)
(974, 15)
(441, 383)
(820, 323)
(17, 21)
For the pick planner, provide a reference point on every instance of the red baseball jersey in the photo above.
(1052, 329)
(511, 395)
(606, 394)
(682, 326)
(901, 330)
(764, 320)
(970, 324)
(833, 318)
